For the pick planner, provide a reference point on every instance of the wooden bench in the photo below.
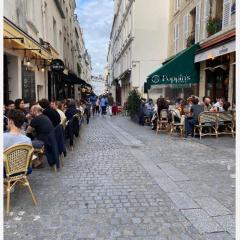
(215, 124)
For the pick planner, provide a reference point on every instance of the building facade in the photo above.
(209, 25)
(98, 85)
(35, 33)
(136, 42)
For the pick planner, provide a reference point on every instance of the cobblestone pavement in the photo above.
(123, 181)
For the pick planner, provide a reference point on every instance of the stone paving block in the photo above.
(194, 189)
(227, 222)
(167, 185)
(102, 168)
(212, 206)
(174, 173)
(201, 221)
(218, 236)
(182, 200)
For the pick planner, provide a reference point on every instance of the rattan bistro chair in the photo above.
(175, 125)
(162, 122)
(17, 160)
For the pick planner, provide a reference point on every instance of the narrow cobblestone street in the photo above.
(123, 181)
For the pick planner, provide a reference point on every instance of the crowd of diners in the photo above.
(185, 110)
(34, 124)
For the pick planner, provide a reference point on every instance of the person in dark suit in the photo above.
(52, 114)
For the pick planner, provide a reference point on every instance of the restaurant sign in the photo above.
(164, 79)
(57, 65)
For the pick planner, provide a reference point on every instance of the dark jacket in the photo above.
(70, 112)
(51, 146)
(53, 116)
(59, 133)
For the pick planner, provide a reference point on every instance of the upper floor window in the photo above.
(176, 5)
(197, 22)
(186, 38)
(176, 38)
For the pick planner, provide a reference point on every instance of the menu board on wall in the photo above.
(28, 85)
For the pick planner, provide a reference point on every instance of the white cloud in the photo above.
(95, 18)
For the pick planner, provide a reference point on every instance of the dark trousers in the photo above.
(190, 126)
(97, 110)
(103, 110)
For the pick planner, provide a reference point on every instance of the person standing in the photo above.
(87, 109)
(110, 103)
(93, 99)
(97, 106)
(103, 104)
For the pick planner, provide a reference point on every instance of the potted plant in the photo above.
(214, 25)
(134, 101)
(190, 40)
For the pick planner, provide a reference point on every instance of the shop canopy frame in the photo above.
(73, 79)
(16, 39)
(179, 70)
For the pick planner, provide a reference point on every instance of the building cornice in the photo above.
(123, 20)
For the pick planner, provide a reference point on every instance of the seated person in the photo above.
(19, 104)
(226, 106)
(71, 110)
(58, 106)
(16, 119)
(207, 104)
(218, 106)
(195, 110)
(8, 106)
(42, 126)
(52, 114)
(176, 112)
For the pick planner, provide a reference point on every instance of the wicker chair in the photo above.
(17, 159)
(175, 126)
(162, 122)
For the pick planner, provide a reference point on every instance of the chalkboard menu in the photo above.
(28, 85)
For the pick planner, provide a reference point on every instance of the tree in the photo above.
(134, 102)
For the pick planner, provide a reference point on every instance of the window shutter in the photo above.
(206, 17)
(226, 13)
(185, 29)
(176, 37)
(176, 6)
(197, 24)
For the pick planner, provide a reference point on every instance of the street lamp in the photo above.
(28, 62)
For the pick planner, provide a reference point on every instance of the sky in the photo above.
(95, 18)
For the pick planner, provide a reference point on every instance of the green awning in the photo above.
(179, 70)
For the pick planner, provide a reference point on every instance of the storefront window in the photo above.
(181, 91)
(217, 77)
